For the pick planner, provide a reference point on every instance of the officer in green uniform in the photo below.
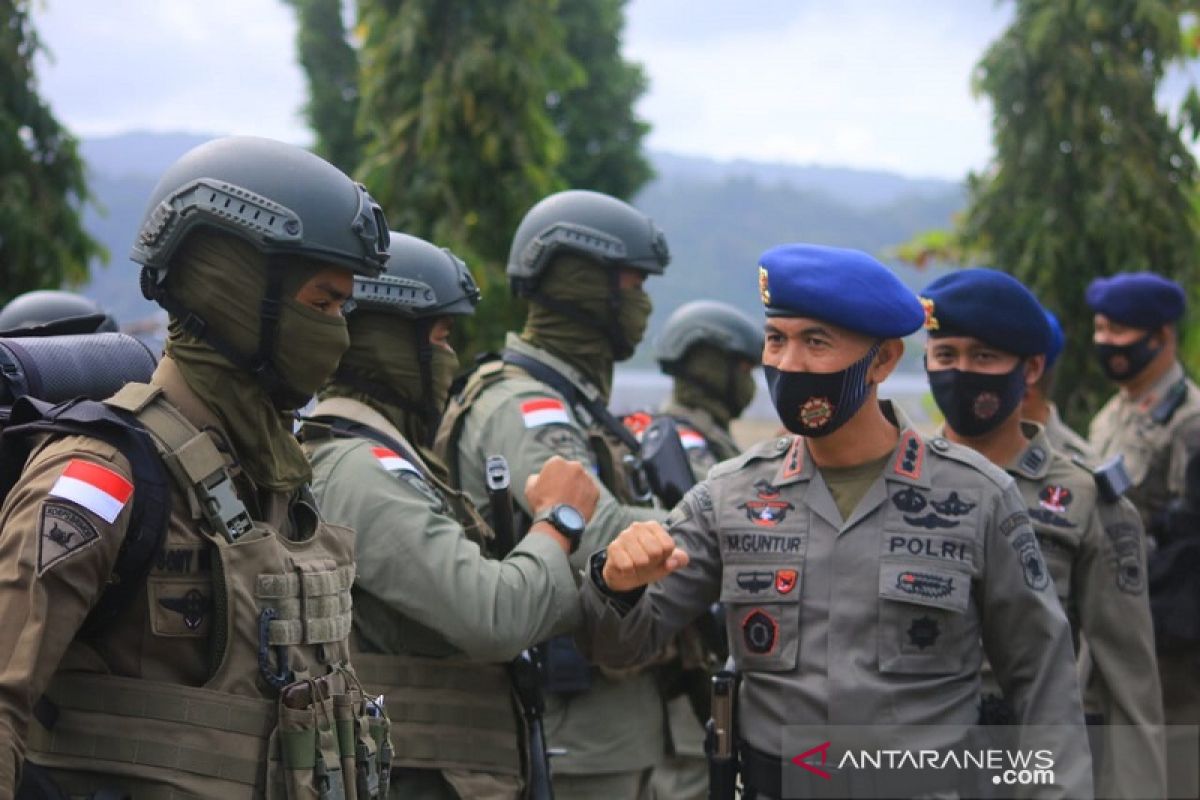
(988, 337)
(435, 618)
(1038, 407)
(710, 350)
(175, 617)
(51, 305)
(866, 570)
(581, 259)
(1154, 422)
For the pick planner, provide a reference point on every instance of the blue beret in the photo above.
(1137, 299)
(1058, 339)
(845, 287)
(990, 306)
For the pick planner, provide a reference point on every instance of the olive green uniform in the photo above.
(714, 444)
(836, 635)
(1158, 433)
(615, 728)
(1065, 440)
(435, 619)
(170, 700)
(1096, 554)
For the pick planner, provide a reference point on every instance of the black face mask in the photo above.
(975, 403)
(1121, 362)
(818, 403)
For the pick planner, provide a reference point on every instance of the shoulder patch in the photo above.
(393, 462)
(62, 532)
(965, 455)
(767, 450)
(541, 411)
(564, 440)
(422, 487)
(100, 490)
(691, 439)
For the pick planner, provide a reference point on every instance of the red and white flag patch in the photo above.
(98, 489)
(393, 461)
(691, 439)
(544, 411)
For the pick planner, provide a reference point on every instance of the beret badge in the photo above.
(764, 289)
(931, 321)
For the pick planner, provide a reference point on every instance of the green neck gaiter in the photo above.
(585, 286)
(222, 279)
(712, 380)
(381, 369)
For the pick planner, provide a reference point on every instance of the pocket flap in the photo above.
(925, 584)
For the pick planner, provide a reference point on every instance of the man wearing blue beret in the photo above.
(1154, 421)
(864, 569)
(1038, 406)
(988, 340)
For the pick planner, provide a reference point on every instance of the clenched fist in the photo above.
(562, 481)
(642, 553)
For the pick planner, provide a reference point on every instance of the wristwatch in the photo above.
(566, 520)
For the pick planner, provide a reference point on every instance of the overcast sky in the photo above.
(865, 83)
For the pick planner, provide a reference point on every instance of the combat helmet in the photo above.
(45, 306)
(607, 231)
(708, 322)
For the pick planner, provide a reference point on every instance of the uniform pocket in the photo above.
(923, 627)
(762, 614)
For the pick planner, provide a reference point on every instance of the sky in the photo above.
(859, 83)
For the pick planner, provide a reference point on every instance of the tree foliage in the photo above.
(602, 133)
(42, 183)
(459, 139)
(331, 64)
(1089, 177)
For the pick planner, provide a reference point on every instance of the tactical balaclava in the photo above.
(590, 289)
(714, 380)
(222, 279)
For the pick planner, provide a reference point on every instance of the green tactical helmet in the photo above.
(709, 322)
(281, 198)
(591, 224)
(421, 280)
(50, 305)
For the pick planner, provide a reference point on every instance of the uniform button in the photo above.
(939, 444)
(781, 445)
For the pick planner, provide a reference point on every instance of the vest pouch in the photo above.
(379, 730)
(308, 744)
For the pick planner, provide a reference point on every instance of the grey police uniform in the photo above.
(1065, 440)
(878, 619)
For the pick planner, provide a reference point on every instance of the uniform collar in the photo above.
(906, 464)
(515, 343)
(1034, 461)
(363, 414)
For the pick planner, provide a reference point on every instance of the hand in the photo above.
(642, 553)
(562, 481)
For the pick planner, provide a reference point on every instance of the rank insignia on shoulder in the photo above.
(62, 532)
(1112, 481)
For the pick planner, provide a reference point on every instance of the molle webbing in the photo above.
(313, 605)
(446, 714)
(125, 726)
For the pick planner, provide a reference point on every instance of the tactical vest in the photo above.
(445, 713)
(280, 627)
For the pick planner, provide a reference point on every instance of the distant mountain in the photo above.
(718, 216)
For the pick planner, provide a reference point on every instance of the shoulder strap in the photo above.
(151, 509)
(586, 408)
(1165, 409)
(467, 388)
(342, 428)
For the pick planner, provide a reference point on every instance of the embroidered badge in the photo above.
(986, 405)
(931, 521)
(760, 632)
(62, 532)
(544, 411)
(931, 321)
(1012, 522)
(1127, 546)
(815, 412)
(1037, 577)
(924, 584)
(1050, 518)
(793, 463)
(691, 439)
(952, 506)
(785, 580)
(923, 632)
(910, 456)
(98, 489)
(909, 500)
(1055, 498)
(392, 461)
(768, 510)
(764, 288)
(754, 581)
(193, 607)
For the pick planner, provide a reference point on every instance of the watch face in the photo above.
(570, 517)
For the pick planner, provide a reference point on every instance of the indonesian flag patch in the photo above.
(544, 411)
(98, 489)
(691, 439)
(393, 461)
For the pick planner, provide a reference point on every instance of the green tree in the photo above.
(331, 64)
(459, 139)
(603, 134)
(42, 182)
(1089, 177)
